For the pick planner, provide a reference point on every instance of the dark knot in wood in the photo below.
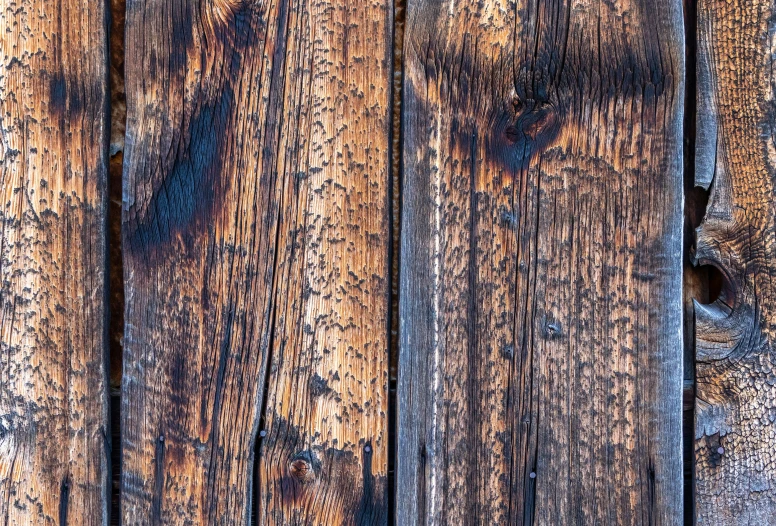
(302, 467)
(526, 128)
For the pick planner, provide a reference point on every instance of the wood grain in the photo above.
(54, 436)
(540, 375)
(736, 383)
(256, 222)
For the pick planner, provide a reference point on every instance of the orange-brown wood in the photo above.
(735, 407)
(54, 436)
(256, 237)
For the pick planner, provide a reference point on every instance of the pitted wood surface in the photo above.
(54, 436)
(735, 456)
(256, 235)
(540, 375)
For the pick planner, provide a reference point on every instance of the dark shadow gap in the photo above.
(262, 431)
(399, 13)
(701, 283)
(115, 278)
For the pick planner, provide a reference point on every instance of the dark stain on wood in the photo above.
(193, 192)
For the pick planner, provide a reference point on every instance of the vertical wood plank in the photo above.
(54, 437)
(735, 406)
(540, 375)
(256, 242)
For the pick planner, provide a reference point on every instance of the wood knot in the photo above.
(527, 128)
(302, 467)
(532, 120)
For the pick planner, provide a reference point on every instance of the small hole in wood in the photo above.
(717, 287)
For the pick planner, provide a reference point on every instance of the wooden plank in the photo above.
(540, 375)
(735, 436)
(54, 436)
(256, 252)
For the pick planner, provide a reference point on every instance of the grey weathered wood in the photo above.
(540, 374)
(735, 435)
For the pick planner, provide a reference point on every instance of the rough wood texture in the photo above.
(540, 375)
(256, 253)
(54, 437)
(735, 435)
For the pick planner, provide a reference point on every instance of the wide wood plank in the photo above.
(735, 406)
(540, 375)
(54, 436)
(256, 225)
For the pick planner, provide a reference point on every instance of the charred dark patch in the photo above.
(58, 93)
(188, 190)
(531, 96)
(187, 197)
(68, 96)
(238, 26)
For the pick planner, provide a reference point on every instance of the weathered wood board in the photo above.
(256, 242)
(540, 369)
(735, 436)
(54, 436)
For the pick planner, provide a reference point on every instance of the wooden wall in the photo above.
(369, 262)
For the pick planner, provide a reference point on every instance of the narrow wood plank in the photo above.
(54, 436)
(540, 375)
(256, 253)
(735, 406)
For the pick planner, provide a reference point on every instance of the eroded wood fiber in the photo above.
(256, 235)
(735, 405)
(540, 374)
(54, 436)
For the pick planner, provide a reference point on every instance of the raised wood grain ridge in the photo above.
(54, 436)
(735, 435)
(540, 368)
(256, 222)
